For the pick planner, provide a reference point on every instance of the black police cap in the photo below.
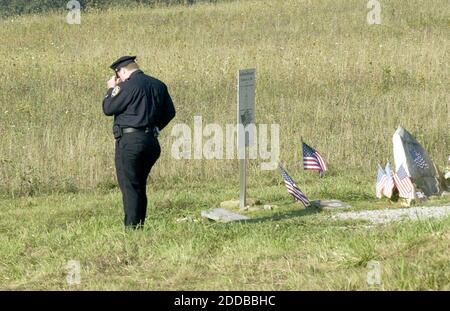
(123, 61)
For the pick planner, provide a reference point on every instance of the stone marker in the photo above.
(329, 204)
(415, 160)
(231, 204)
(223, 215)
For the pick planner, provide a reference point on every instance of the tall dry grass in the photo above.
(322, 73)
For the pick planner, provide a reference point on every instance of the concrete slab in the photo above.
(223, 215)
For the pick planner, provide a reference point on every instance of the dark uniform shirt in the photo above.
(139, 101)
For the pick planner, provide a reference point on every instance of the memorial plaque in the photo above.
(416, 161)
(246, 124)
(223, 215)
(246, 104)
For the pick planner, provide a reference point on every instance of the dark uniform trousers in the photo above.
(135, 155)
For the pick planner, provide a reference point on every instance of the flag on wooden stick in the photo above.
(405, 186)
(293, 189)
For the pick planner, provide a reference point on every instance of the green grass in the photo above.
(322, 73)
(289, 248)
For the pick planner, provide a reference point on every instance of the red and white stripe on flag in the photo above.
(404, 184)
(405, 187)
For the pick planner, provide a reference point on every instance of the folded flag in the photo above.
(293, 189)
(405, 186)
(381, 180)
(389, 185)
(312, 160)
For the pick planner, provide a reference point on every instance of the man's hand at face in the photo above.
(112, 82)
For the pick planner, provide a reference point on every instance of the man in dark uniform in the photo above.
(141, 106)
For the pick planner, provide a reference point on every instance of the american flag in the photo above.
(381, 180)
(293, 189)
(404, 184)
(419, 160)
(389, 183)
(312, 160)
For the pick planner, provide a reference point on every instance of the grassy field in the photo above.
(290, 248)
(323, 74)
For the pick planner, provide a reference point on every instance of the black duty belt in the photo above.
(133, 129)
(119, 131)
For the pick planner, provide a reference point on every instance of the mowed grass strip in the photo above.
(289, 248)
